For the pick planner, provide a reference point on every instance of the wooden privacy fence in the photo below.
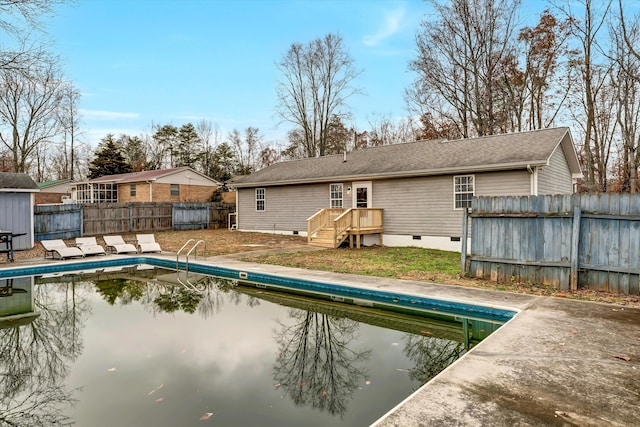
(57, 221)
(66, 221)
(219, 214)
(568, 241)
(190, 216)
(118, 218)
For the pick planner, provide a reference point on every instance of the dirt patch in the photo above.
(217, 242)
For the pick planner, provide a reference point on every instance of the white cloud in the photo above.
(107, 115)
(389, 28)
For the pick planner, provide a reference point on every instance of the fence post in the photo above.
(465, 232)
(130, 217)
(575, 242)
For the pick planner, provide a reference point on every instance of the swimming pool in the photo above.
(304, 382)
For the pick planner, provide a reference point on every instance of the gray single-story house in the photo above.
(410, 194)
(17, 197)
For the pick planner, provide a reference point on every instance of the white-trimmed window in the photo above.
(463, 191)
(132, 190)
(260, 199)
(97, 193)
(174, 191)
(335, 198)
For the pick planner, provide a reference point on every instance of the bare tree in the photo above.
(210, 136)
(545, 89)
(384, 130)
(69, 120)
(626, 75)
(629, 35)
(28, 109)
(19, 19)
(316, 81)
(247, 150)
(591, 81)
(459, 58)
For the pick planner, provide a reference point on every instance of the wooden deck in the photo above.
(330, 227)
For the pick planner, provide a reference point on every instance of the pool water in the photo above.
(150, 347)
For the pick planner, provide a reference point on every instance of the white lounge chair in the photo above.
(118, 245)
(59, 247)
(89, 246)
(147, 243)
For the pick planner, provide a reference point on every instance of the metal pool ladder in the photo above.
(193, 248)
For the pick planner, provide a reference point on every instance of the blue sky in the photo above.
(138, 62)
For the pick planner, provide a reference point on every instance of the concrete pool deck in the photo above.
(558, 362)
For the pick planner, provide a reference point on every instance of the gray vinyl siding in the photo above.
(424, 206)
(412, 206)
(16, 215)
(508, 183)
(286, 207)
(418, 206)
(556, 177)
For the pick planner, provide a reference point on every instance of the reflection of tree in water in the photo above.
(206, 296)
(315, 364)
(430, 355)
(119, 290)
(35, 358)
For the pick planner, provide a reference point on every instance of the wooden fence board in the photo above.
(534, 238)
(151, 216)
(57, 221)
(219, 214)
(190, 216)
(105, 218)
(67, 221)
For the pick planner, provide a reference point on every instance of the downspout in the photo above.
(150, 190)
(237, 200)
(533, 180)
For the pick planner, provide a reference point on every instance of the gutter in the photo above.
(19, 190)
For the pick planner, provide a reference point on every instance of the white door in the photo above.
(362, 194)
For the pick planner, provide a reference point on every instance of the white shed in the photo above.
(17, 198)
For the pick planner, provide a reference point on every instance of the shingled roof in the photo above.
(17, 182)
(143, 175)
(422, 158)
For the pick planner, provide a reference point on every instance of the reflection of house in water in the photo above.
(16, 302)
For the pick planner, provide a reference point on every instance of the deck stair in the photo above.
(328, 228)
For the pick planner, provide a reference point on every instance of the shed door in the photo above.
(362, 194)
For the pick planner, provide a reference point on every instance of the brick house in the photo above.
(53, 191)
(181, 184)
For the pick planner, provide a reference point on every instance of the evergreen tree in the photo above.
(189, 149)
(225, 163)
(134, 151)
(108, 159)
(166, 139)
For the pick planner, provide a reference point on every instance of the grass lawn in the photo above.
(427, 265)
(410, 263)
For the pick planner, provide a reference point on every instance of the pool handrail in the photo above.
(180, 250)
(186, 261)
